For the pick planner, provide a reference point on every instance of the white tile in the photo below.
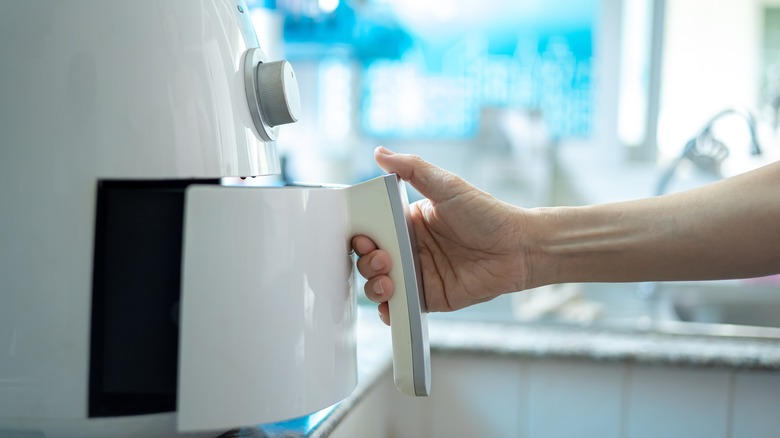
(575, 399)
(410, 417)
(677, 402)
(476, 396)
(756, 409)
(370, 417)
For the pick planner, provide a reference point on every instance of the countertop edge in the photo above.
(534, 341)
(344, 407)
(587, 343)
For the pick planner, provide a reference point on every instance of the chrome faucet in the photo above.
(706, 151)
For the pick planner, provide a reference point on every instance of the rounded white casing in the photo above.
(301, 329)
(95, 90)
(283, 321)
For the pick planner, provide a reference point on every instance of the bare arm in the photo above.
(729, 229)
(473, 247)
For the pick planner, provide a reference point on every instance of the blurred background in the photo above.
(554, 102)
(538, 102)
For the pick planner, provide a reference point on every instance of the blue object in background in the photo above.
(369, 32)
(424, 80)
(267, 4)
(441, 95)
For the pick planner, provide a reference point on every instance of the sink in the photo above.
(735, 308)
(744, 308)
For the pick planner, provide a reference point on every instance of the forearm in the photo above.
(730, 229)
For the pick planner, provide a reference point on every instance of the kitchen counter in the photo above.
(449, 336)
(587, 343)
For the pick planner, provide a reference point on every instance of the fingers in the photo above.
(363, 245)
(384, 312)
(431, 181)
(379, 289)
(372, 263)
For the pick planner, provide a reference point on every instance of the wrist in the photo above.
(539, 260)
(600, 243)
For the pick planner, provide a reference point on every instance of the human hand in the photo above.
(468, 242)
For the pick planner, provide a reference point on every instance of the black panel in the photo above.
(135, 297)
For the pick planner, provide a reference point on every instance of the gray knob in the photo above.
(277, 91)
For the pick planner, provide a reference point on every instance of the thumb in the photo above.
(431, 181)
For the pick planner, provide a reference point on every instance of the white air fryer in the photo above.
(140, 295)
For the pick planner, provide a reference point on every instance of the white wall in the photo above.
(710, 63)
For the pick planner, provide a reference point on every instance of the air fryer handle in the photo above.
(379, 209)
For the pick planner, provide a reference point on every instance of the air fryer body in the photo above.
(110, 110)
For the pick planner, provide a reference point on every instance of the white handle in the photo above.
(379, 209)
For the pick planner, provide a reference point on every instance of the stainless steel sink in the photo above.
(731, 308)
(711, 308)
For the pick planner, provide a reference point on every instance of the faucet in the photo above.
(707, 153)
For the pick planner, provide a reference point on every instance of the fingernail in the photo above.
(377, 264)
(378, 289)
(384, 150)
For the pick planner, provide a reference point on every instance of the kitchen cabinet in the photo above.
(510, 396)
(756, 404)
(677, 402)
(567, 399)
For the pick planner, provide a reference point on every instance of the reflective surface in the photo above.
(724, 308)
(734, 308)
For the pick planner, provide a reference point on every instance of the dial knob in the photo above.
(277, 91)
(271, 92)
